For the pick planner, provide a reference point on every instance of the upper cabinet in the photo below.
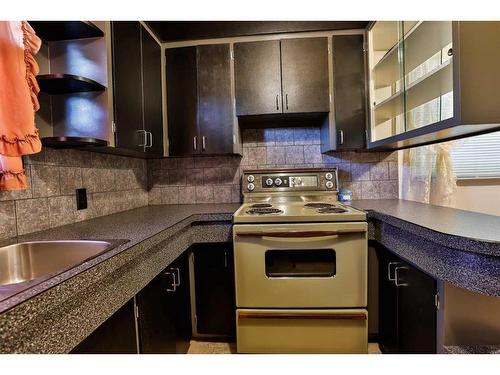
(281, 76)
(137, 93)
(431, 81)
(199, 101)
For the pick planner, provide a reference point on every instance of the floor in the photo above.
(211, 347)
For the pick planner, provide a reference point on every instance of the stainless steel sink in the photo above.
(31, 260)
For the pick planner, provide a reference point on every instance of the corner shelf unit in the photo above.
(56, 84)
(52, 31)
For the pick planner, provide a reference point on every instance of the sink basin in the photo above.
(31, 260)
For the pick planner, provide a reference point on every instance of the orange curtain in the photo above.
(18, 101)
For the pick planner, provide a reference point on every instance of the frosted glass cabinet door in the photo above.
(428, 57)
(386, 79)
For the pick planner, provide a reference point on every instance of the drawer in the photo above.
(302, 331)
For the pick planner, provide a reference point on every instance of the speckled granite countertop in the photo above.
(410, 231)
(56, 314)
(472, 349)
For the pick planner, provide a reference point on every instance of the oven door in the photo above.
(316, 265)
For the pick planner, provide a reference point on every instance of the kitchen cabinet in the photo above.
(431, 81)
(346, 127)
(164, 311)
(117, 335)
(407, 307)
(213, 283)
(282, 76)
(136, 61)
(199, 101)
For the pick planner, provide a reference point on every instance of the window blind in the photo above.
(477, 157)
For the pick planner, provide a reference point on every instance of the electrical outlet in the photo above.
(81, 199)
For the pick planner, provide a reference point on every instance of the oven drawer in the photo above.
(302, 331)
(321, 265)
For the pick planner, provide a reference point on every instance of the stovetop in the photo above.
(284, 196)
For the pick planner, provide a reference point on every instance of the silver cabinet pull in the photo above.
(396, 276)
(174, 283)
(389, 273)
(203, 145)
(149, 140)
(144, 132)
(225, 259)
(277, 103)
(341, 137)
(177, 272)
(286, 101)
(195, 143)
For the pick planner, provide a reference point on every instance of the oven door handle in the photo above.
(298, 315)
(300, 234)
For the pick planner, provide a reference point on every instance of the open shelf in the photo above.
(424, 41)
(72, 142)
(55, 84)
(65, 30)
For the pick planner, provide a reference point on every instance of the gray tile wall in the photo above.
(113, 183)
(370, 175)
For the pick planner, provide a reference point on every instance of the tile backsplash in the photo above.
(370, 175)
(119, 183)
(113, 183)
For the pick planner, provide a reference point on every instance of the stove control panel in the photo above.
(290, 180)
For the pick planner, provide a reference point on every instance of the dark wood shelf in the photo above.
(55, 84)
(73, 142)
(51, 31)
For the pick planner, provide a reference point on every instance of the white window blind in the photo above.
(477, 157)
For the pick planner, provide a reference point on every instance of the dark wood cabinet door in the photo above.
(117, 335)
(127, 84)
(152, 91)
(156, 306)
(215, 109)
(215, 293)
(416, 311)
(257, 78)
(182, 101)
(182, 304)
(349, 91)
(388, 302)
(304, 66)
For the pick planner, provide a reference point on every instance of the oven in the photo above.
(318, 265)
(301, 287)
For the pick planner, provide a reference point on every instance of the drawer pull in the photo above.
(326, 316)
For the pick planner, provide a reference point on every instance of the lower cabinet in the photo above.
(164, 311)
(116, 335)
(407, 306)
(213, 286)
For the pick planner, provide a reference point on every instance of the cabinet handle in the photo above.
(286, 101)
(277, 104)
(178, 272)
(389, 265)
(203, 143)
(174, 282)
(144, 132)
(396, 276)
(195, 142)
(225, 259)
(341, 137)
(149, 140)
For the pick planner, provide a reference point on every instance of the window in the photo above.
(477, 157)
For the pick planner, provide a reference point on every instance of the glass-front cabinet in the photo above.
(413, 87)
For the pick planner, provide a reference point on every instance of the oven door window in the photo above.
(300, 263)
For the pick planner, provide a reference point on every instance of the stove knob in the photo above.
(278, 181)
(250, 178)
(328, 176)
(269, 182)
(329, 184)
(250, 186)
